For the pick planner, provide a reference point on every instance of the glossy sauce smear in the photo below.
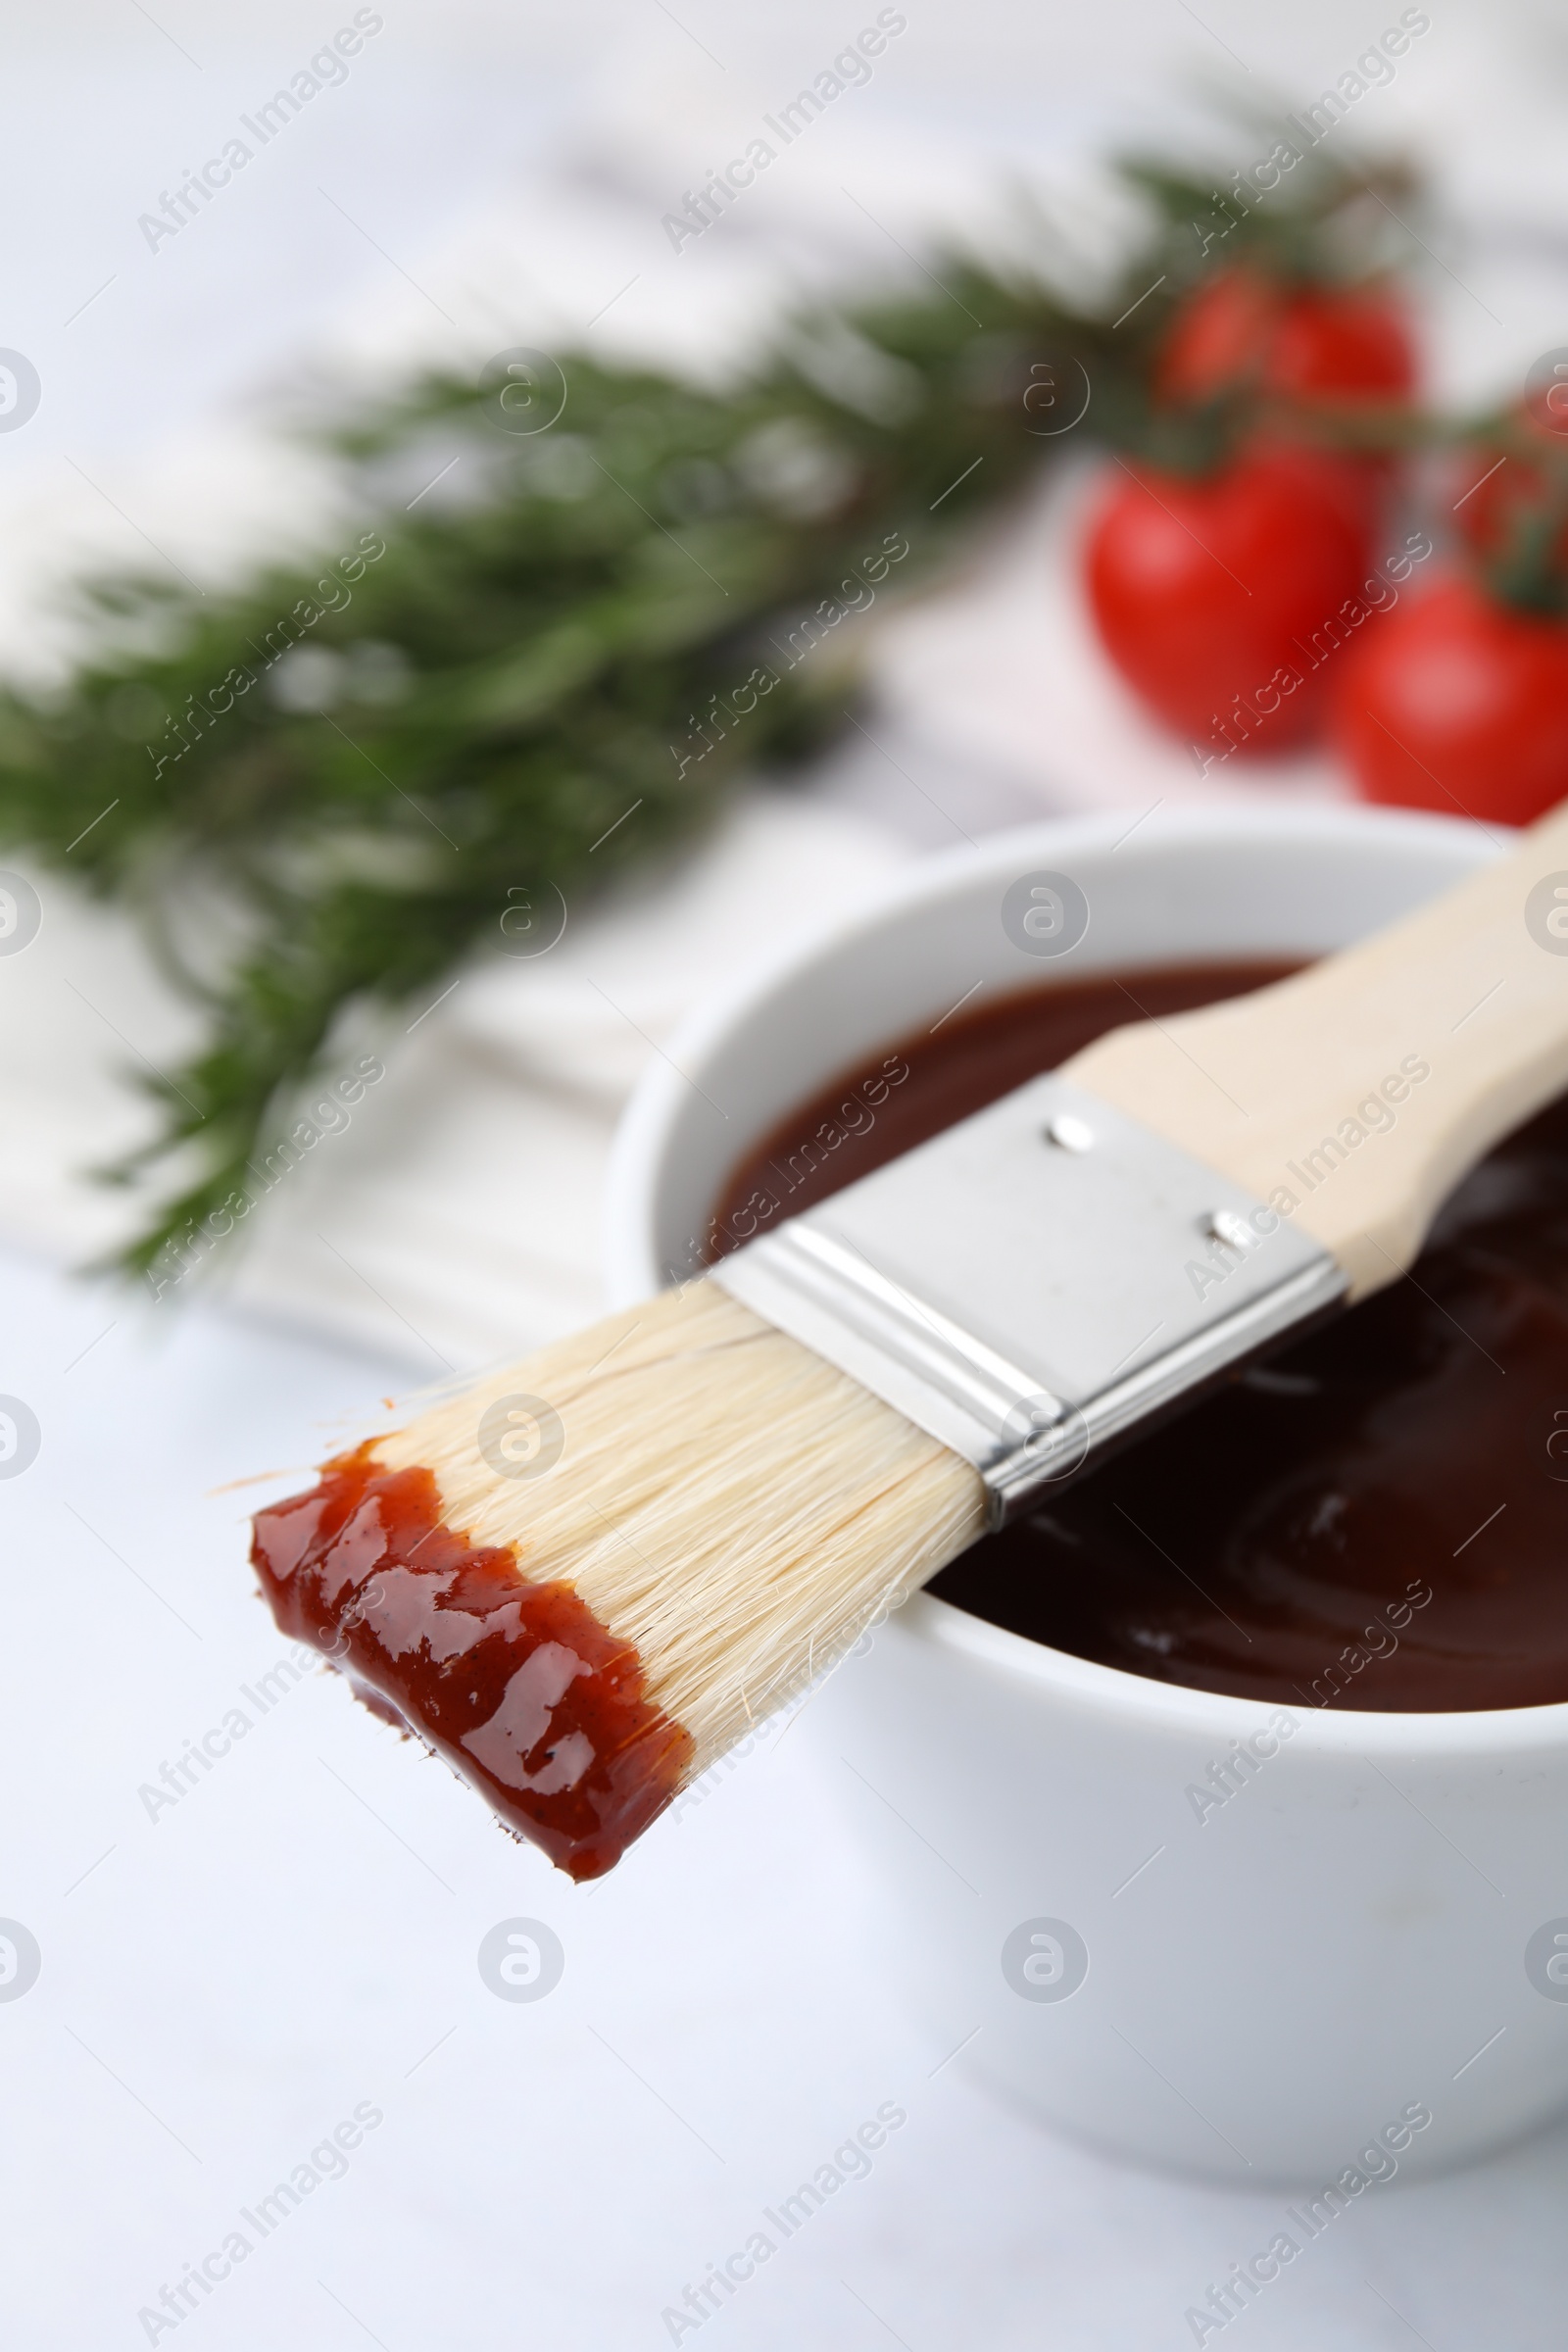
(517, 1684)
(1376, 1518)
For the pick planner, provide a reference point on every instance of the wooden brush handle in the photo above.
(1353, 1097)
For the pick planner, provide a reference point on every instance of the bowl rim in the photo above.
(645, 1127)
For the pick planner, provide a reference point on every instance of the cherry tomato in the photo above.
(1459, 701)
(1494, 497)
(1209, 592)
(1322, 344)
(1218, 338)
(1353, 342)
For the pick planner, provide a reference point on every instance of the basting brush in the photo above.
(583, 1578)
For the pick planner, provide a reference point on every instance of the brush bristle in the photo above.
(723, 1500)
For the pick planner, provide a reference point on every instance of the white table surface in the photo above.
(224, 1980)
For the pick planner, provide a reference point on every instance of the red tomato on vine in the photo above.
(1213, 593)
(1459, 701)
(1322, 344)
(1510, 494)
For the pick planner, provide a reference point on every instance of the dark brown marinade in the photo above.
(1377, 1518)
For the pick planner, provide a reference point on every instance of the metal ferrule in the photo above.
(1035, 1283)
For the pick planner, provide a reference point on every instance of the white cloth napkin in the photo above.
(456, 1214)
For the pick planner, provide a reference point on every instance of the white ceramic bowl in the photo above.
(1271, 1987)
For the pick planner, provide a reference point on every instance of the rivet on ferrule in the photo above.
(1069, 1134)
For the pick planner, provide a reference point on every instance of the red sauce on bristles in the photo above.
(517, 1684)
(584, 1577)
